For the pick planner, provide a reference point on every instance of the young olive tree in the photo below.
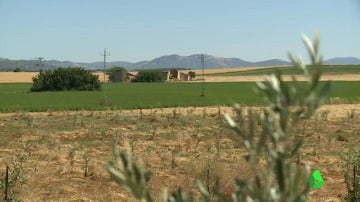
(280, 178)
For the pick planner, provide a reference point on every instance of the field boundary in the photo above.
(335, 110)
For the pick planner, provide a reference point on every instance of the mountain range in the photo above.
(167, 61)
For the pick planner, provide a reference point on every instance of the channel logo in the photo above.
(316, 181)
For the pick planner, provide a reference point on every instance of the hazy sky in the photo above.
(134, 30)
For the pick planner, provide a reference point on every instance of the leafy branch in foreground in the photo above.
(351, 169)
(129, 175)
(278, 145)
(280, 178)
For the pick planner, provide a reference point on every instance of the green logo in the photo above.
(316, 180)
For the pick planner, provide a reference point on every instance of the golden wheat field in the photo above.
(26, 77)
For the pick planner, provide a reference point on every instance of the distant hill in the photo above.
(273, 62)
(192, 61)
(100, 65)
(343, 61)
(32, 65)
(25, 65)
(167, 61)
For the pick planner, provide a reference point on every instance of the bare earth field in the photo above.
(179, 145)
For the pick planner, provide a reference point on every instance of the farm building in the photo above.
(174, 74)
(171, 75)
(131, 75)
(183, 76)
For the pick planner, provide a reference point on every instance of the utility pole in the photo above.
(203, 76)
(105, 101)
(105, 54)
(40, 62)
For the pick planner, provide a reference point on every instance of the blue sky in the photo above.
(134, 30)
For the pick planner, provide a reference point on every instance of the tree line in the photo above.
(79, 79)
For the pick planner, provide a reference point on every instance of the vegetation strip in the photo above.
(16, 97)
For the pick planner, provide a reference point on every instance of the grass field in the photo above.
(15, 97)
(327, 69)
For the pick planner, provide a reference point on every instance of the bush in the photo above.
(150, 75)
(281, 178)
(192, 75)
(65, 79)
(17, 69)
(117, 74)
(173, 74)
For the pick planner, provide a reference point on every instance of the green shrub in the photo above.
(150, 75)
(65, 79)
(117, 74)
(192, 75)
(277, 145)
(17, 69)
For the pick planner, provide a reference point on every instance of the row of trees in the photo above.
(79, 79)
(120, 74)
(150, 75)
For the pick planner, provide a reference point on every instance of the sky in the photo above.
(138, 30)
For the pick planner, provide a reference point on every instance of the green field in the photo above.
(16, 97)
(327, 69)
